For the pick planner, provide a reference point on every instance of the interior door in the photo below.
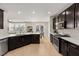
(41, 31)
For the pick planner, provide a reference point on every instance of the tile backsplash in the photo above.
(71, 32)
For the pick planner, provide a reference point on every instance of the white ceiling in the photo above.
(26, 9)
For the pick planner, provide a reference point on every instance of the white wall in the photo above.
(51, 24)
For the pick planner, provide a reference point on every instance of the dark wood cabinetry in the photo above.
(70, 17)
(51, 38)
(26, 39)
(1, 19)
(19, 41)
(73, 50)
(36, 38)
(54, 23)
(14, 42)
(77, 14)
(63, 47)
(62, 20)
(68, 49)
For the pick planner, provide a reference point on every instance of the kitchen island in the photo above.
(18, 40)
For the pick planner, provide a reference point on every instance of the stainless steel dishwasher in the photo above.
(56, 43)
(3, 46)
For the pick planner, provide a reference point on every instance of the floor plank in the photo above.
(45, 48)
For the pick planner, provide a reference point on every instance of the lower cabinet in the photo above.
(68, 49)
(14, 42)
(73, 50)
(51, 38)
(26, 39)
(36, 38)
(63, 47)
(19, 41)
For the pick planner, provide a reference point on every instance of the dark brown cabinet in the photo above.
(14, 42)
(62, 20)
(73, 50)
(1, 19)
(68, 49)
(70, 17)
(77, 14)
(26, 39)
(54, 23)
(19, 41)
(63, 47)
(36, 38)
(51, 38)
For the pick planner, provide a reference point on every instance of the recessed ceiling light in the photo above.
(63, 13)
(67, 12)
(19, 12)
(33, 12)
(49, 12)
(10, 20)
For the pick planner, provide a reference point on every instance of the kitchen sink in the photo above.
(65, 35)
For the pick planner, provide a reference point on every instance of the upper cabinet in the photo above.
(61, 20)
(77, 15)
(1, 19)
(54, 23)
(70, 17)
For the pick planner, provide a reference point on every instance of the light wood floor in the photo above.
(45, 48)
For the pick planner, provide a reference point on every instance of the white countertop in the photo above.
(74, 40)
(2, 36)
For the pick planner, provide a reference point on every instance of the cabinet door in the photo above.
(62, 20)
(12, 43)
(70, 17)
(54, 23)
(1, 19)
(51, 38)
(63, 47)
(73, 50)
(36, 38)
(77, 15)
(27, 39)
(18, 41)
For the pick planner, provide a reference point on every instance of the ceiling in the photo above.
(32, 11)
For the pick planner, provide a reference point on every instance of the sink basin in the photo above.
(65, 35)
